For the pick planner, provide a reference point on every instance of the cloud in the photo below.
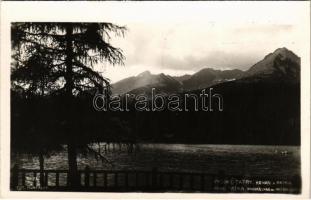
(193, 46)
(178, 48)
(266, 28)
(213, 59)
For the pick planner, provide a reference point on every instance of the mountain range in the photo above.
(261, 105)
(281, 64)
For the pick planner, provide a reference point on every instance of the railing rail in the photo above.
(150, 181)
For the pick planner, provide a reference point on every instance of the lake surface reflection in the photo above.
(232, 159)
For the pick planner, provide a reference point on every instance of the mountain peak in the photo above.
(145, 73)
(282, 62)
(144, 81)
(208, 69)
(210, 76)
(282, 49)
(285, 52)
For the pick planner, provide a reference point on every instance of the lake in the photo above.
(232, 159)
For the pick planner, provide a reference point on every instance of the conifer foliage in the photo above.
(60, 58)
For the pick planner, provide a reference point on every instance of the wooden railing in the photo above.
(150, 181)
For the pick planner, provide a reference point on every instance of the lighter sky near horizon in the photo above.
(182, 40)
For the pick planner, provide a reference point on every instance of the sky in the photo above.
(179, 39)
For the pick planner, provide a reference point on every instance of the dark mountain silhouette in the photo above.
(261, 107)
(182, 78)
(282, 63)
(208, 76)
(144, 82)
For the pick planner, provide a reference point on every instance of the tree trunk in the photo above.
(73, 176)
(41, 161)
(69, 61)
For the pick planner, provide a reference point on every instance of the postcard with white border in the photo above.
(198, 99)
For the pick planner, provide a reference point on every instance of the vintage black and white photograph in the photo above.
(173, 104)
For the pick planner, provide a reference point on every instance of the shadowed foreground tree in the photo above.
(35, 75)
(69, 52)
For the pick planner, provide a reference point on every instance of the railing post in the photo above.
(42, 177)
(191, 182)
(56, 179)
(160, 181)
(94, 179)
(116, 179)
(221, 179)
(202, 182)
(136, 179)
(296, 181)
(87, 176)
(105, 180)
(35, 179)
(23, 178)
(181, 181)
(126, 180)
(154, 178)
(171, 180)
(46, 179)
(14, 182)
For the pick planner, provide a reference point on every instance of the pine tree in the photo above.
(60, 58)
